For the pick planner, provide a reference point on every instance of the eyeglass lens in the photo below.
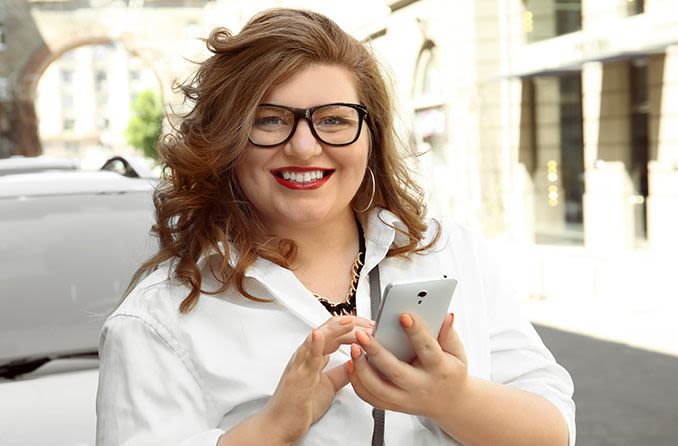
(333, 124)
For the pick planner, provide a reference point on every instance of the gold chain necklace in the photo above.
(349, 305)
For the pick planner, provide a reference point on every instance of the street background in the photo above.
(549, 125)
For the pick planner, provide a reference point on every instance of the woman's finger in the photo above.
(449, 339)
(369, 385)
(339, 376)
(350, 338)
(428, 350)
(314, 358)
(399, 373)
(334, 329)
(336, 324)
(364, 323)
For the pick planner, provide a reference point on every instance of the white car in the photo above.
(27, 164)
(69, 244)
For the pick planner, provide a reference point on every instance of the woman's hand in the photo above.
(305, 390)
(434, 379)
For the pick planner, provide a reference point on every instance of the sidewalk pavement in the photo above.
(653, 328)
(628, 297)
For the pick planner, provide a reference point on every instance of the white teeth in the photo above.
(302, 177)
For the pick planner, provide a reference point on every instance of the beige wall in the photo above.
(663, 200)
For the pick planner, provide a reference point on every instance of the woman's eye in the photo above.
(331, 121)
(269, 121)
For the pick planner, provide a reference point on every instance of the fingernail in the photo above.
(451, 318)
(345, 320)
(373, 324)
(406, 320)
(314, 335)
(362, 337)
(349, 367)
(355, 351)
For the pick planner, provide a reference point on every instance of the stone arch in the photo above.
(24, 121)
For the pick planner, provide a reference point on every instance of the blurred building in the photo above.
(598, 83)
(159, 34)
(84, 100)
(546, 120)
(541, 120)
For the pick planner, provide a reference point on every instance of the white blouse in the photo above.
(184, 379)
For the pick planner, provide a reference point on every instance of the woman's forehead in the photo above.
(313, 85)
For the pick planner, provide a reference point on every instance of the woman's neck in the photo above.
(331, 240)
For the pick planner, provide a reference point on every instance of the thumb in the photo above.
(449, 339)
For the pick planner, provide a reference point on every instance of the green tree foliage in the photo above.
(145, 125)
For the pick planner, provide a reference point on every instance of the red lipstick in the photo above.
(298, 185)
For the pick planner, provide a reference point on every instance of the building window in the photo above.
(427, 77)
(634, 7)
(68, 124)
(572, 150)
(568, 16)
(428, 97)
(552, 136)
(100, 79)
(67, 76)
(544, 19)
(640, 120)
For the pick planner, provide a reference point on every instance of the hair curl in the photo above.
(198, 203)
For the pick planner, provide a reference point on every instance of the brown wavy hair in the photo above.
(199, 206)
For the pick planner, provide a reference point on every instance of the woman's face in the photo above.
(273, 178)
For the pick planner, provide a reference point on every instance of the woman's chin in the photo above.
(306, 216)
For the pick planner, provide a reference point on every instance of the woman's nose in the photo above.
(303, 144)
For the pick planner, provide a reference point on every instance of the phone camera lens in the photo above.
(422, 294)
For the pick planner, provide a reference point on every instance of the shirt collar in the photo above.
(384, 228)
(380, 234)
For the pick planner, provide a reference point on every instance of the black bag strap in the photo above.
(375, 300)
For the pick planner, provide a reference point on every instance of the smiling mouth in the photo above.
(307, 176)
(301, 179)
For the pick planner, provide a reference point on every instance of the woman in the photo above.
(283, 195)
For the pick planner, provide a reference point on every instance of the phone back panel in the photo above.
(430, 299)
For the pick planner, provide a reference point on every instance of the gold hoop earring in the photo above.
(374, 188)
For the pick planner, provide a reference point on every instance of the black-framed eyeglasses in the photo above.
(337, 124)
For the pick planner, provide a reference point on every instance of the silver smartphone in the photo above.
(429, 299)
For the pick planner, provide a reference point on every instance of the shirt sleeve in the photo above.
(147, 393)
(519, 358)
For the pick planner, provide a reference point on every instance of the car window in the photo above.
(64, 263)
